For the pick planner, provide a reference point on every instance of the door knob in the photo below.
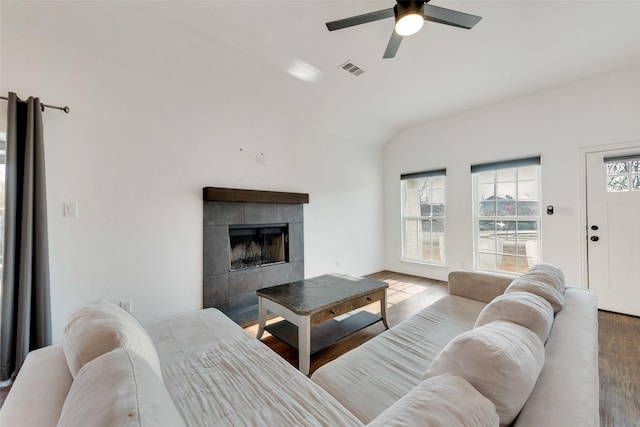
(594, 238)
(594, 227)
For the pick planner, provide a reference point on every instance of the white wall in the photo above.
(151, 123)
(556, 124)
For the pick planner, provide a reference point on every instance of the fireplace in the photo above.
(251, 240)
(257, 245)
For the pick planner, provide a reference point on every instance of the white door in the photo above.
(613, 229)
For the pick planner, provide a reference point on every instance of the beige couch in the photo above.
(200, 368)
(552, 382)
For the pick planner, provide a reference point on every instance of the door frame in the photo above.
(582, 171)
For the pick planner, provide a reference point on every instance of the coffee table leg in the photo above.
(304, 344)
(262, 318)
(383, 309)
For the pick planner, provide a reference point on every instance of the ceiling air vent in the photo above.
(352, 68)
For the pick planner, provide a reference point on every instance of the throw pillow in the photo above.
(523, 308)
(535, 286)
(99, 327)
(118, 388)
(548, 273)
(441, 401)
(502, 360)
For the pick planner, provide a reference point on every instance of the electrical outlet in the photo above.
(125, 305)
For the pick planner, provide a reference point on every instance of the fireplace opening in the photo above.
(257, 245)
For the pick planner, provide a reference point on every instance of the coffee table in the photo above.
(309, 308)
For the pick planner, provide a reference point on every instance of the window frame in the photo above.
(518, 233)
(631, 175)
(440, 217)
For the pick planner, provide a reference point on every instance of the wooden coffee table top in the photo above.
(308, 296)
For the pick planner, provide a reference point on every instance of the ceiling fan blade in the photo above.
(360, 19)
(393, 45)
(450, 17)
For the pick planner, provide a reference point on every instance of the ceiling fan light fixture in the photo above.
(409, 17)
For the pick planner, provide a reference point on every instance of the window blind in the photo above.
(437, 172)
(482, 167)
(630, 157)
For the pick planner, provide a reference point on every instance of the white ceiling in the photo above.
(519, 47)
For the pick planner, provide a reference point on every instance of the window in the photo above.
(623, 173)
(423, 212)
(507, 215)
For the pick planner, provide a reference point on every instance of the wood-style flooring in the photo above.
(619, 342)
(619, 362)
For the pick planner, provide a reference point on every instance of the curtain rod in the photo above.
(65, 108)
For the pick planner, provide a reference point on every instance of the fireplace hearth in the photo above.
(249, 245)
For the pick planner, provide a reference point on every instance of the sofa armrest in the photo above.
(568, 389)
(38, 393)
(483, 287)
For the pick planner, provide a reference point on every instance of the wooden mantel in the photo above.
(217, 194)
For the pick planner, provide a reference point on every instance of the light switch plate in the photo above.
(70, 210)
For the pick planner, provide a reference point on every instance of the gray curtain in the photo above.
(26, 308)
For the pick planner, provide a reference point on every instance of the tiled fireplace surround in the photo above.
(234, 292)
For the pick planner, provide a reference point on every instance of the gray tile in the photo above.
(289, 213)
(244, 316)
(235, 291)
(216, 249)
(296, 271)
(242, 300)
(242, 281)
(216, 292)
(296, 241)
(223, 213)
(276, 274)
(260, 213)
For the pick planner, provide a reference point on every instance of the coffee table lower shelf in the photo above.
(326, 333)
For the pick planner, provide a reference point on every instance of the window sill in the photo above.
(425, 263)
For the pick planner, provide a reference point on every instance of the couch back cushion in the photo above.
(99, 327)
(548, 273)
(524, 308)
(545, 280)
(502, 360)
(535, 286)
(441, 401)
(118, 388)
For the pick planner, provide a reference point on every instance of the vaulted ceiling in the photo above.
(519, 47)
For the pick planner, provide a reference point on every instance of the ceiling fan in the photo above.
(409, 15)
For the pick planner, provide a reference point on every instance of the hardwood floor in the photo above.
(619, 362)
(618, 335)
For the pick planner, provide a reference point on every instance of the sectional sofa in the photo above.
(492, 352)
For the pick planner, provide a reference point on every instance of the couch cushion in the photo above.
(371, 378)
(524, 308)
(99, 327)
(441, 401)
(538, 287)
(502, 360)
(219, 375)
(118, 389)
(548, 273)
